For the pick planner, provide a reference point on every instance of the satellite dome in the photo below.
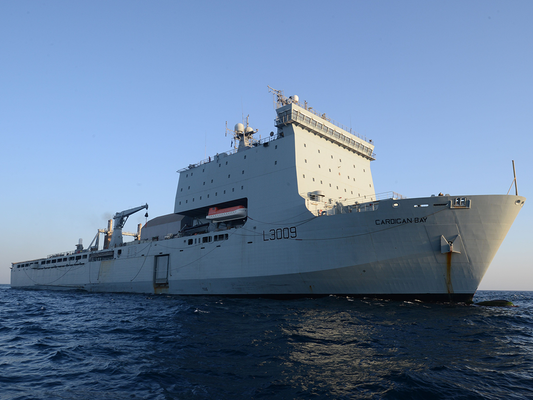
(249, 129)
(295, 98)
(239, 128)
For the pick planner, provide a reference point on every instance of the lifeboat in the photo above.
(216, 214)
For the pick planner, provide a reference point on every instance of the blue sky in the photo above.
(102, 101)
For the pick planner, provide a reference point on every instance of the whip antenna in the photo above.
(514, 182)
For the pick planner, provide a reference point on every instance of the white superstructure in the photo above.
(301, 219)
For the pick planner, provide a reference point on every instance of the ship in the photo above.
(292, 214)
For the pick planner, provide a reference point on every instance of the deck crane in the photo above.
(120, 219)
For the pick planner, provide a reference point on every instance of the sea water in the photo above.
(75, 345)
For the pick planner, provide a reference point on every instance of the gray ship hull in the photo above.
(428, 248)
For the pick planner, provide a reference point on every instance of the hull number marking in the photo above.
(280, 234)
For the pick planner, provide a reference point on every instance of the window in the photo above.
(222, 237)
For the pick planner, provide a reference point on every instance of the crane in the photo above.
(120, 219)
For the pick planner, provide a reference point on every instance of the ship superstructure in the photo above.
(292, 214)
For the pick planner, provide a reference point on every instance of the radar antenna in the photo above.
(279, 99)
(243, 136)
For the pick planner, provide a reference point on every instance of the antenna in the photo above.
(279, 99)
(514, 182)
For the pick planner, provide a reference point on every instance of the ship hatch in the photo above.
(161, 270)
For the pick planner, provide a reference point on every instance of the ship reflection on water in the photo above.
(389, 348)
